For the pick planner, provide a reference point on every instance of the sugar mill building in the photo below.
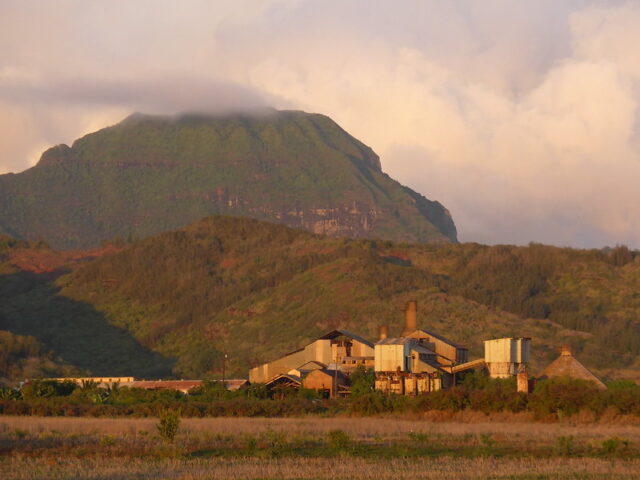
(337, 350)
(417, 361)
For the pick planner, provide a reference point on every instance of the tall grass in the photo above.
(357, 427)
(360, 448)
(444, 468)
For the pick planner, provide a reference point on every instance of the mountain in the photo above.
(174, 303)
(150, 174)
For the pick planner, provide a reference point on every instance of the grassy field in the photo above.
(336, 448)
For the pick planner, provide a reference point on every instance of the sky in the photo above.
(520, 117)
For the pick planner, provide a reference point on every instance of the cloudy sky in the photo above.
(521, 117)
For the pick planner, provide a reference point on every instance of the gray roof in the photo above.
(395, 341)
(287, 376)
(441, 338)
(422, 349)
(346, 333)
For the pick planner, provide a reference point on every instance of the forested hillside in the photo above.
(150, 174)
(175, 303)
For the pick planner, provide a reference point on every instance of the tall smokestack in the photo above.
(410, 318)
(383, 332)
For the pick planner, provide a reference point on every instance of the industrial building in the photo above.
(337, 350)
(403, 366)
(102, 382)
(504, 357)
(422, 361)
(509, 357)
(329, 383)
(418, 361)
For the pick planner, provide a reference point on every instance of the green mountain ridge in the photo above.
(150, 174)
(173, 304)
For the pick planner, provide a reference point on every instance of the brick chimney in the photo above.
(383, 332)
(410, 318)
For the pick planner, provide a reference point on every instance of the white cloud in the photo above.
(553, 162)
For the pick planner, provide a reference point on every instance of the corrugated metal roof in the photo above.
(395, 341)
(422, 349)
(441, 338)
(287, 376)
(336, 333)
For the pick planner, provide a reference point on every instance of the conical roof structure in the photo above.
(566, 365)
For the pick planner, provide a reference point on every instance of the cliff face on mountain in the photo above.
(150, 174)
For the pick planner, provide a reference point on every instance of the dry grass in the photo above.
(441, 468)
(100, 448)
(359, 428)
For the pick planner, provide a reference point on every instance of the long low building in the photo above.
(100, 381)
(183, 386)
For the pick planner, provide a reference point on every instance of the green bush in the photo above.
(362, 381)
(168, 424)
(370, 404)
(563, 396)
(339, 439)
(488, 443)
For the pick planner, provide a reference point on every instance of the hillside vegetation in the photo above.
(175, 303)
(150, 174)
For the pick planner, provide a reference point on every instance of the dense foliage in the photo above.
(175, 303)
(552, 399)
(149, 174)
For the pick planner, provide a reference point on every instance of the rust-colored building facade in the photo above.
(330, 382)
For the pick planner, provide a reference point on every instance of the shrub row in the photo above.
(556, 397)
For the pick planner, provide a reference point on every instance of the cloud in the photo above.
(71, 67)
(551, 157)
(168, 95)
(521, 117)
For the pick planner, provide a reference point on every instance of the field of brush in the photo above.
(315, 448)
